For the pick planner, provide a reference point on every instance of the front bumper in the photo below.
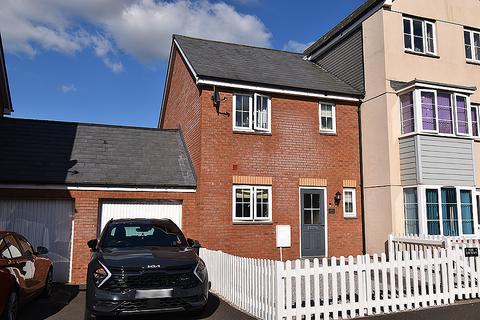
(106, 303)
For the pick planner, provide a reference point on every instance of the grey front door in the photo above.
(313, 222)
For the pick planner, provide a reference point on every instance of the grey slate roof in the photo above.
(350, 19)
(216, 60)
(50, 152)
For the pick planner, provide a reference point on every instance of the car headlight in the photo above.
(200, 271)
(101, 275)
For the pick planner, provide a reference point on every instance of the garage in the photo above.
(46, 223)
(127, 209)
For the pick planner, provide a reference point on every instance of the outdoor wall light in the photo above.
(338, 197)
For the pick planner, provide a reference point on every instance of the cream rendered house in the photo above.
(418, 62)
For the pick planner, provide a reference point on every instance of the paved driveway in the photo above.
(67, 302)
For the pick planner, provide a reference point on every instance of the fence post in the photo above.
(390, 247)
(279, 290)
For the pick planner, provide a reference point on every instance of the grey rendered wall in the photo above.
(408, 161)
(446, 161)
(345, 60)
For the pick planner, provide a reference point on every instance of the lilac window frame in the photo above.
(462, 118)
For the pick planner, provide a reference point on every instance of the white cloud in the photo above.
(67, 88)
(296, 46)
(141, 28)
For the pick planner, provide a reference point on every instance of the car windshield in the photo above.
(142, 234)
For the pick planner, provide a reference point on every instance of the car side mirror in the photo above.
(193, 243)
(92, 244)
(42, 250)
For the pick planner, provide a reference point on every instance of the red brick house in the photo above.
(274, 140)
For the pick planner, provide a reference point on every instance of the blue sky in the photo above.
(105, 61)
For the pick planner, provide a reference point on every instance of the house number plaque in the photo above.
(471, 252)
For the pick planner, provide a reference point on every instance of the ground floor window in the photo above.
(436, 210)
(252, 203)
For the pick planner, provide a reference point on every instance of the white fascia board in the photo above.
(274, 90)
(434, 86)
(92, 188)
(190, 67)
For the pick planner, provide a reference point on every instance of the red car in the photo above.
(24, 273)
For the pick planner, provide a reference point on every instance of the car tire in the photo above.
(47, 290)
(89, 315)
(11, 310)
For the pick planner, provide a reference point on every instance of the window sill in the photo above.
(473, 62)
(328, 133)
(252, 222)
(440, 135)
(428, 55)
(350, 217)
(259, 133)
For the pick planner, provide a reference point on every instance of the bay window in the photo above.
(252, 203)
(251, 112)
(447, 211)
(419, 35)
(439, 112)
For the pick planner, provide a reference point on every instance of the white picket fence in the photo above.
(345, 287)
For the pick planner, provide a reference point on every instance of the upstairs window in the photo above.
(435, 111)
(461, 107)
(407, 113)
(472, 45)
(327, 118)
(419, 36)
(474, 116)
(251, 112)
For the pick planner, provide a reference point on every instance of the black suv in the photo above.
(144, 266)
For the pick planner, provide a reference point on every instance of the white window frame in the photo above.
(469, 115)
(472, 33)
(424, 36)
(269, 113)
(354, 200)
(419, 100)
(417, 190)
(412, 93)
(418, 122)
(422, 209)
(334, 118)
(234, 108)
(253, 204)
(477, 108)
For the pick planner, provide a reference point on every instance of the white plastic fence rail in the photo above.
(345, 287)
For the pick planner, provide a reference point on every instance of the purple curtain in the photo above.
(408, 116)
(462, 118)
(429, 120)
(445, 121)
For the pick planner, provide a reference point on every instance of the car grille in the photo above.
(147, 280)
(139, 305)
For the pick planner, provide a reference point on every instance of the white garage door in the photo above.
(115, 209)
(46, 223)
